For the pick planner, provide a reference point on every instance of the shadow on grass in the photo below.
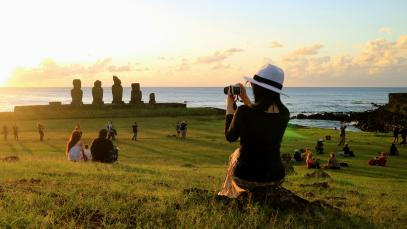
(25, 148)
(11, 146)
(54, 147)
(253, 215)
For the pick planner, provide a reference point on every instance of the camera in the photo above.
(232, 90)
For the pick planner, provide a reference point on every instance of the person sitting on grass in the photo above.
(380, 160)
(74, 147)
(102, 149)
(332, 162)
(256, 165)
(87, 152)
(297, 156)
(393, 150)
(347, 152)
(311, 163)
(319, 148)
(305, 154)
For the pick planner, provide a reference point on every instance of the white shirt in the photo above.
(75, 153)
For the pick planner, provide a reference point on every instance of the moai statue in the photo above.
(152, 99)
(97, 93)
(117, 91)
(135, 94)
(76, 92)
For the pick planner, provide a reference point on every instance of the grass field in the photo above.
(146, 187)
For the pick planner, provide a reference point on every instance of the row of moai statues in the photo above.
(117, 93)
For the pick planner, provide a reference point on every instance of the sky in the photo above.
(47, 43)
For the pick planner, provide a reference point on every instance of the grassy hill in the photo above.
(147, 187)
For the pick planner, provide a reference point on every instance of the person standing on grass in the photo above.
(403, 134)
(260, 127)
(177, 128)
(15, 132)
(41, 129)
(5, 132)
(111, 131)
(135, 131)
(396, 134)
(342, 135)
(183, 129)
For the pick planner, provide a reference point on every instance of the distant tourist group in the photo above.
(103, 148)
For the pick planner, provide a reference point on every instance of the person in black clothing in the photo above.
(396, 134)
(135, 131)
(260, 127)
(347, 152)
(393, 150)
(319, 147)
(102, 149)
(403, 134)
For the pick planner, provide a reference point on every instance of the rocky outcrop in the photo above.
(381, 119)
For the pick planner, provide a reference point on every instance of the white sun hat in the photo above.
(269, 77)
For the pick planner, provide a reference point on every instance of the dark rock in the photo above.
(97, 93)
(319, 173)
(10, 159)
(76, 92)
(136, 95)
(117, 91)
(316, 185)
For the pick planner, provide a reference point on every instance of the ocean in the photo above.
(305, 100)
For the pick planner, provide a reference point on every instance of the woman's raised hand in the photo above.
(243, 95)
(230, 109)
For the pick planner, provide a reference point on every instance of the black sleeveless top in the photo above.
(260, 135)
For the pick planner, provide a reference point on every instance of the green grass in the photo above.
(145, 188)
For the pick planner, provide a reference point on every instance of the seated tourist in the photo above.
(311, 163)
(87, 152)
(332, 162)
(297, 156)
(260, 126)
(102, 149)
(347, 152)
(305, 154)
(393, 150)
(74, 147)
(319, 148)
(380, 160)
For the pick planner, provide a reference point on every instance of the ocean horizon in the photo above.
(307, 100)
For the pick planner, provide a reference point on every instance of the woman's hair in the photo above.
(332, 155)
(75, 137)
(102, 133)
(264, 98)
(309, 156)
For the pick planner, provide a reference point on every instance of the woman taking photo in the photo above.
(260, 127)
(74, 147)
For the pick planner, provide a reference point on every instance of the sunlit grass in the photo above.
(145, 188)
